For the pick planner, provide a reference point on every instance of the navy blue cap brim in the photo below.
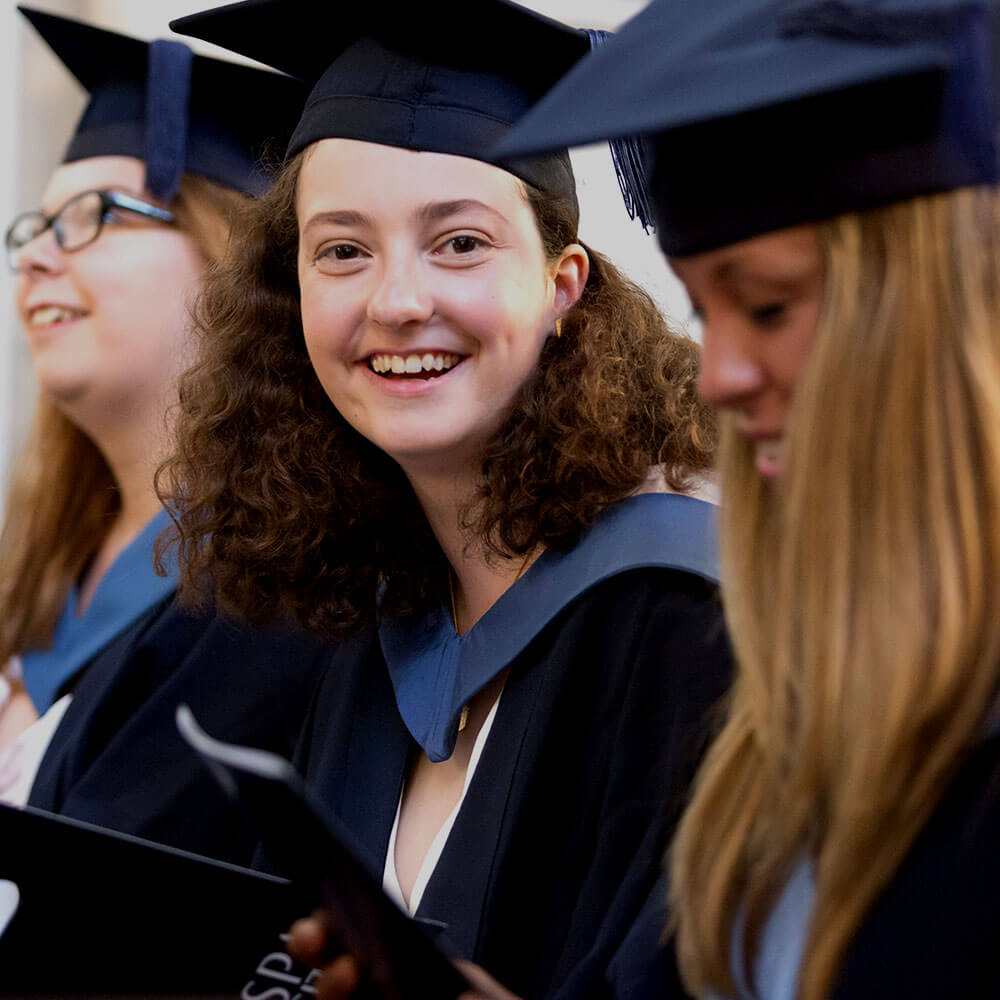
(765, 114)
(639, 83)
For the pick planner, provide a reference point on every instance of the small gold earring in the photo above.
(558, 328)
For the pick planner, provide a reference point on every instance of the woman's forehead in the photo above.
(123, 173)
(793, 249)
(389, 178)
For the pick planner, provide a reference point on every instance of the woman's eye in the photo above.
(464, 244)
(342, 251)
(461, 246)
(337, 253)
(769, 314)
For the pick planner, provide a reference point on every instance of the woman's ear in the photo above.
(569, 275)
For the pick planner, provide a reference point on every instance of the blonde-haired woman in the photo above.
(841, 840)
(107, 271)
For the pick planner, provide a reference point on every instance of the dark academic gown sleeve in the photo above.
(561, 836)
(117, 760)
(935, 931)
(645, 965)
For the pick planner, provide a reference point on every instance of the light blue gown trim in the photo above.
(128, 588)
(782, 942)
(435, 671)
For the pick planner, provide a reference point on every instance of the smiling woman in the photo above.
(410, 276)
(430, 420)
(106, 273)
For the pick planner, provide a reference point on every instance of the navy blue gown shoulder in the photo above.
(116, 759)
(607, 706)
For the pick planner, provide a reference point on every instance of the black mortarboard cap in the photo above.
(770, 113)
(175, 110)
(438, 75)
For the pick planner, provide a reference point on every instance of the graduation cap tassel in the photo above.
(629, 155)
(168, 92)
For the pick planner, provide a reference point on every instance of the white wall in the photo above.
(39, 102)
(604, 224)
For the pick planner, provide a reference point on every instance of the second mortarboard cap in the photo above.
(175, 110)
(440, 75)
(772, 113)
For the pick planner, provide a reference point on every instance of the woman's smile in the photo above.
(404, 376)
(419, 365)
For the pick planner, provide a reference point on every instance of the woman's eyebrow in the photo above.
(790, 278)
(118, 188)
(342, 217)
(437, 211)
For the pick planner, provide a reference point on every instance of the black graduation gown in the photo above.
(561, 835)
(117, 760)
(935, 931)
(932, 933)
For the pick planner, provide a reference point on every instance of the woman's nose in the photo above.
(401, 296)
(40, 256)
(731, 371)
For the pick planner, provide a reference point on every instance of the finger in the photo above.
(307, 941)
(339, 980)
(484, 986)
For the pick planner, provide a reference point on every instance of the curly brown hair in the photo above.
(283, 509)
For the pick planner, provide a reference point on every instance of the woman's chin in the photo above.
(434, 454)
(63, 388)
(769, 459)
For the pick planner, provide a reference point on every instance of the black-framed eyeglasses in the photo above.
(78, 222)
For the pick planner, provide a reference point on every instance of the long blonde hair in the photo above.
(63, 497)
(861, 592)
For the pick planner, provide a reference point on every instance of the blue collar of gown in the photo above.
(435, 671)
(128, 588)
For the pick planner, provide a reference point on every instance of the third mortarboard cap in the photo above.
(771, 113)
(176, 111)
(440, 75)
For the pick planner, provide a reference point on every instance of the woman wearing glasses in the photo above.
(106, 273)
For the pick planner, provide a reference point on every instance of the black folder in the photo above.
(102, 914)
(397, 955)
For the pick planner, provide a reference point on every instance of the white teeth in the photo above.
(50, 314)
(412, 364)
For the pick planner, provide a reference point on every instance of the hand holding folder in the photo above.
(341, 978)
(395, 957)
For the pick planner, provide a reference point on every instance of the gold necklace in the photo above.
(463, 719)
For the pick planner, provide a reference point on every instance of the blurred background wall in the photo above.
(40, 101)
